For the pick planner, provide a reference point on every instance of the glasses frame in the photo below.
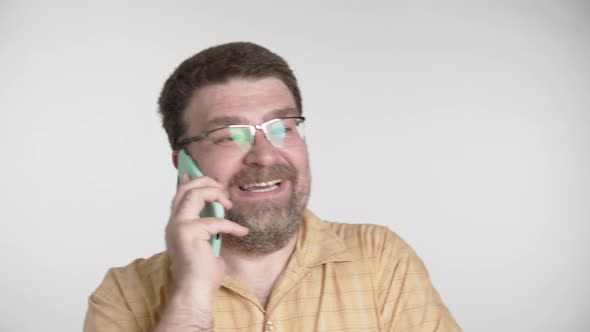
(253, 128)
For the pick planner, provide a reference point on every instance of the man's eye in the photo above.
(224, 139)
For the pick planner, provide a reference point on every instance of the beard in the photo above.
(272, 223)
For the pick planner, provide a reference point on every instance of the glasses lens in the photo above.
(285, 132)
(277, 131)
(241, 137)
(232, 136)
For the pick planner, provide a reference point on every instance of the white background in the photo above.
(464, 126)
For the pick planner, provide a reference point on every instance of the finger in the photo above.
(203, 181)
(207, 194)
(224, 226)
(200, 181)
(184, 178)
(194, 200)
(204, 228)
(191, 184)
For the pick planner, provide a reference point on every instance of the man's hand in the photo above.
(197, 272)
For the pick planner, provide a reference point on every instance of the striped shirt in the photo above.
(341, 277)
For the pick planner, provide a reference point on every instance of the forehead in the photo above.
(244, 101)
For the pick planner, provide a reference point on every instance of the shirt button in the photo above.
(269, 326)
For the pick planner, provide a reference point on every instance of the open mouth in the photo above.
(261, 187)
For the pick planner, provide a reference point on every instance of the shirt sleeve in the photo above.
(108, 310)
(407, 298)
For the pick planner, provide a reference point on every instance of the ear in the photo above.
(175, 158)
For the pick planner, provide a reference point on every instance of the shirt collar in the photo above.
(317, 243)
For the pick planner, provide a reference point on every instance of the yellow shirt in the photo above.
(341, 277)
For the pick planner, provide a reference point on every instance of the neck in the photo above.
(258, 272)
(237, 261)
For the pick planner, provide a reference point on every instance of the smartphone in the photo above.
(186, 164)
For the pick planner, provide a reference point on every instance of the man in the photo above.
(236, 110)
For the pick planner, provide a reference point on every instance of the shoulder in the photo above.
(129, 296)
(142, 268)
(142, 278)
(365, 240)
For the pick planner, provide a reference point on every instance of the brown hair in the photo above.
(217, 65)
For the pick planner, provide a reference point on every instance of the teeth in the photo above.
(262, 186)
(262, 190)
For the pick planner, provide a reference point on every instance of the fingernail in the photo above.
(185, 178)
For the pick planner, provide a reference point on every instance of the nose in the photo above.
(262, 152)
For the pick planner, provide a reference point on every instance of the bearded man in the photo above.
(236, 110)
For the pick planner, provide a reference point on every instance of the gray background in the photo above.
(464, 126)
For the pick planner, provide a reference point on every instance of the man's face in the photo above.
(269, 186)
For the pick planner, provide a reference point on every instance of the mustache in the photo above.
(256, 174)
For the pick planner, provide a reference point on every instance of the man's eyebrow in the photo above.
(227, 120)
(222, 121)
(289, 111)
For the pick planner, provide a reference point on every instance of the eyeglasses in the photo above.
(281, 132)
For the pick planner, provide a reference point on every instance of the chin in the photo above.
(272, 223)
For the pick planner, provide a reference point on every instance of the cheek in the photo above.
(220, 168)
(300, 160)
(221, 171)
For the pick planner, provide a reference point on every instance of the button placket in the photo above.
(269, 326)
